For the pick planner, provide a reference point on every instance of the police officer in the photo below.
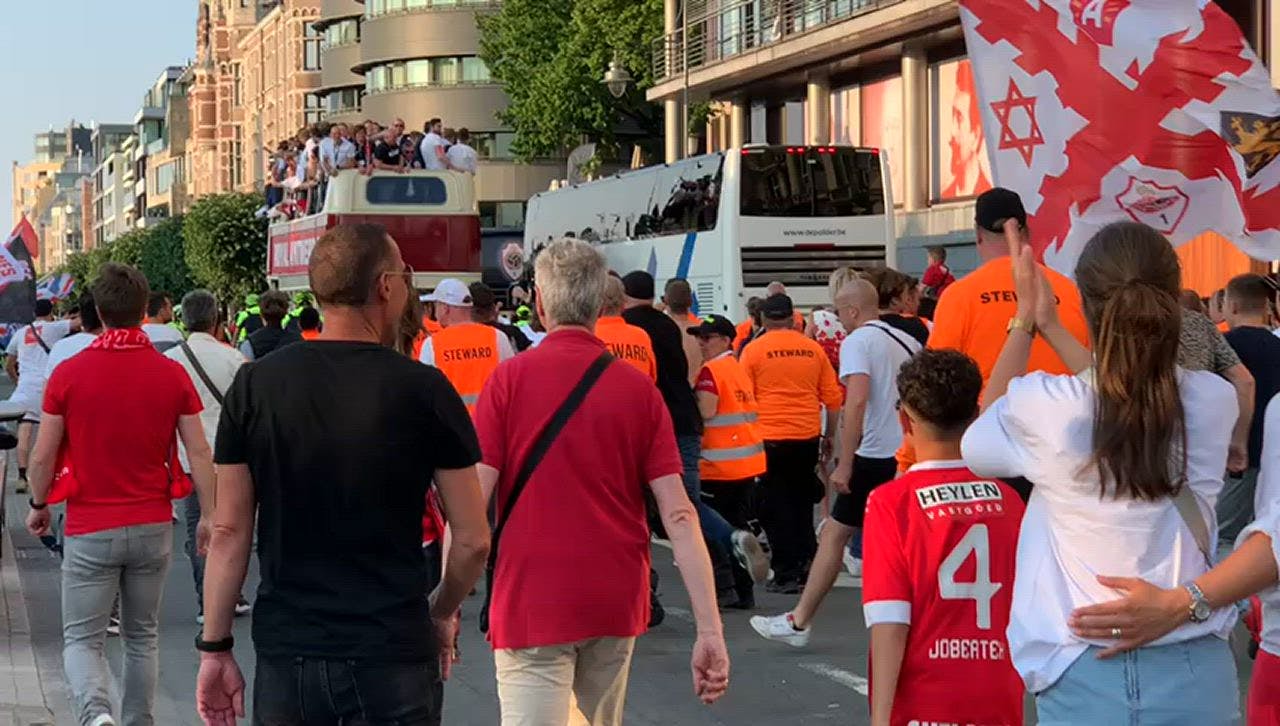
(249, 319)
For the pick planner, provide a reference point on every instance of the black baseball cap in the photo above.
(777, 307)
(997, 205)
(714, 325)
(638, 285)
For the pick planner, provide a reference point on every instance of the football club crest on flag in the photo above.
(1099, 111)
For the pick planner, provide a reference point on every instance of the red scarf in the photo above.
(121, 339)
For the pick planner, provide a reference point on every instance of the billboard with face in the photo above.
(882, 123)
(960, 164)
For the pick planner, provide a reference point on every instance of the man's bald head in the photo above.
(347, 262)
(775, 288)
(857, 302)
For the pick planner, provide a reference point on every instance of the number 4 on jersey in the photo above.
(982, 589)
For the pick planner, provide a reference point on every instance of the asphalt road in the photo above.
(771, 683)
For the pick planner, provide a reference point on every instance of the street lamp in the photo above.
(616, 79)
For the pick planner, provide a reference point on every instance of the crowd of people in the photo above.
(299, 170)
(1048, 486)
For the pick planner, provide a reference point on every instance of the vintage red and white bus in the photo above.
(432, 215)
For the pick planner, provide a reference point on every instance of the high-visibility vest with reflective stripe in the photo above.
(467, 355)
(731, 445)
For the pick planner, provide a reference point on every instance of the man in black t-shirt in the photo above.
(333, 446)
(386, 153)
(1246, 308)
(677, 392)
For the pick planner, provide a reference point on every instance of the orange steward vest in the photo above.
(467, 355)
(731, 445)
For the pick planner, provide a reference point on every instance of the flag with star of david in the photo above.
(1098, 111)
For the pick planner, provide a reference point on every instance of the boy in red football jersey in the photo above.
(939, 546)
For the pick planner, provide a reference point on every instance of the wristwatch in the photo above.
(215, 646)
(32, 503)
(1026, 326)
(1200, 607)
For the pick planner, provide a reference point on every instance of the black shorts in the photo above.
(867, 475)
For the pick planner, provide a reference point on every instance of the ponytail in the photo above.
(1129, 278)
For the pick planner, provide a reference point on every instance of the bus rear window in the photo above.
(811, 182)
(405, 190)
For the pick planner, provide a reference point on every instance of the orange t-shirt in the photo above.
(310, 334)
(973, 317)
(432, 327)
(744, 332)
(792, 379)
(629, 343)
(1224, 327)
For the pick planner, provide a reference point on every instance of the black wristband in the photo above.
(215, 646)
(32, 503)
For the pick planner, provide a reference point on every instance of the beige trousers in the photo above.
(539, 686)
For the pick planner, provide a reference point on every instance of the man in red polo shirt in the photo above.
(116, 406)
(556, 634)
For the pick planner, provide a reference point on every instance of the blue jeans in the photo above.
(714, 526)
(289, 691)
(1183, 683)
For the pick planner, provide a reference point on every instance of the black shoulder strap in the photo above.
(200, 371)
(36, 332)
(536, 453)
(896, 339)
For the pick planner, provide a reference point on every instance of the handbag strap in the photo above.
(543, 443)
(1184, 501)
(896, 339)
(1189, 509)
(36, 332)
(200, 371)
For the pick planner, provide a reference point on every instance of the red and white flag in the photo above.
(1098, 111)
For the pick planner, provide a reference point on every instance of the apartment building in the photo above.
(113, 177)
(417, 60)
(885, 73)
(159, 128)
(45, 190)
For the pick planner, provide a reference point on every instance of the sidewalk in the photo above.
(23, 700)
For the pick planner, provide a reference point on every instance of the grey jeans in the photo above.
(131, 562)
(1235, 507)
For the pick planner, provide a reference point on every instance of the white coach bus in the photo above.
(731, 222)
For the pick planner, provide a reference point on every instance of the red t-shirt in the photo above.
(573, 561)
(939, 546)
(121, 411)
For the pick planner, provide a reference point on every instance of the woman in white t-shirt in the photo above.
(1108, 450)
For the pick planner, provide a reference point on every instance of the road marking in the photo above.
(843, 581)
(852, 681)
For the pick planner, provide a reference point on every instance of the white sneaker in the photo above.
(782, 629)
(747, 549)
(103, 719)
(852, 564)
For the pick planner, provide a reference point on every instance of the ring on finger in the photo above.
(1115, 632)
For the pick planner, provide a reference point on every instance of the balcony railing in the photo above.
(719, 31)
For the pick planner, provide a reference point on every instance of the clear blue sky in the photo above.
(91, 60)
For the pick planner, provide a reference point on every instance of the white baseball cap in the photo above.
(451, 292)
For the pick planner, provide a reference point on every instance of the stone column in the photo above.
(817, 112)
(739, 122)
(915, 130)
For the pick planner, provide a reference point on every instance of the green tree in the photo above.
(162, 258)
(226, 244)
(83, 266)
(550, 56)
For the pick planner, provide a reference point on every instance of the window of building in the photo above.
(237, 156)
(313, 112)
(344, 100)
(374, 8)
(311, 49)
(343, 32)
(493, 144)
(420, 72)
(405, 190)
